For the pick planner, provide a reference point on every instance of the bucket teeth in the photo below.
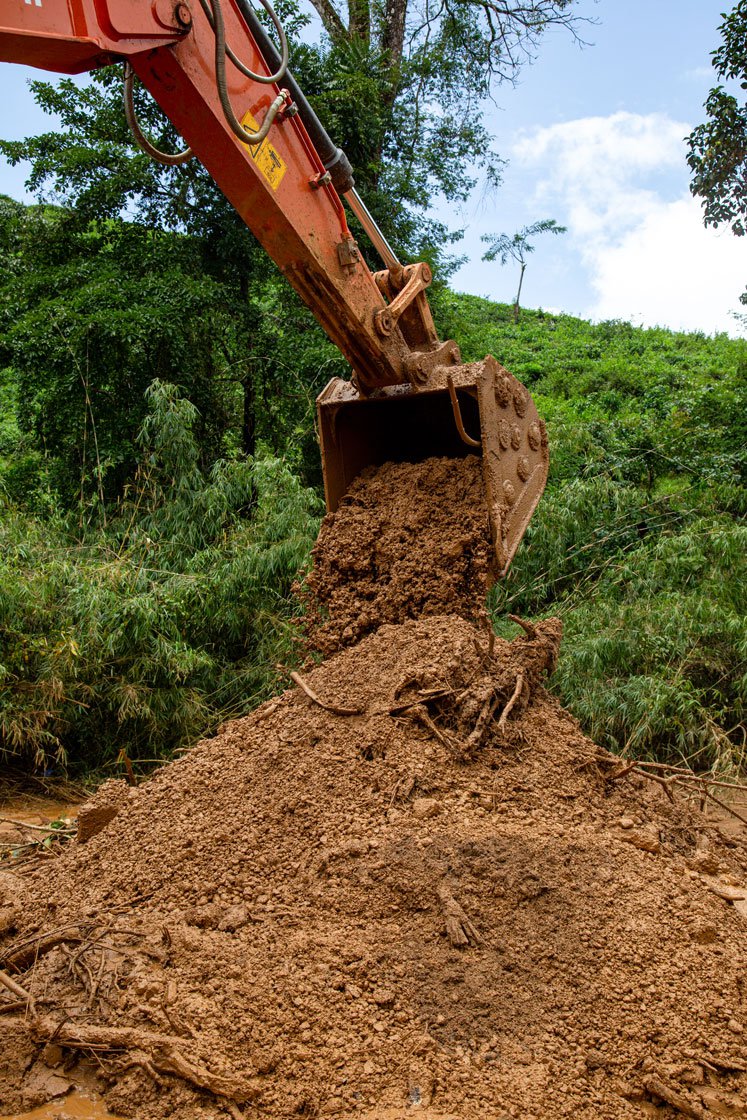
(475, 408)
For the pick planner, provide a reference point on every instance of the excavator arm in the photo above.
(213, 71)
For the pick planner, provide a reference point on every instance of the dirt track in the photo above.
(439, 904)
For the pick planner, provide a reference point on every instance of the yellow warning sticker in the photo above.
(264, 155)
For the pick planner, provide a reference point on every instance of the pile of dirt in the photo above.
(409, 886)
(408, 540)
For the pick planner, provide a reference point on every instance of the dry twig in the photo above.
(159, 1051)
(514, 697)
(451, 742)
(667, 776)
(336, 709)
(16, 990)
(424, 696)
(38, 827)
(19, 958)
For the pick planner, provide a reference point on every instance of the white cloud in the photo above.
(620, 185)
(670, 270)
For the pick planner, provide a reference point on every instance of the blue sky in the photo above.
(594, 139)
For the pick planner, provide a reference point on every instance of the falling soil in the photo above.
(447, 903)
(408, 540)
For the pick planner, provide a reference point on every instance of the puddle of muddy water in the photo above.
(74, 1106)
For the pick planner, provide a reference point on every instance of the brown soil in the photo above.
(408, 540)
(444, 905)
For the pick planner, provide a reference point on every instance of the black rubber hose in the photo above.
(333, 158)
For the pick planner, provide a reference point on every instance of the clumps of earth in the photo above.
(408, 540)
(409, 886)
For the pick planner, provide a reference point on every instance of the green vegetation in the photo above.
(640, 542)
(140, 615)
(145, 634)
(159, 478)
(717, 150)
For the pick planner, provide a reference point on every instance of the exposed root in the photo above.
(518, 688)
(336, 709)
(16, 989)
(670, 777)
(20, 958)
(459, 928)
(528, 627)
(158, 1053)
(452, 744)
(476, 736)
(657, 1087)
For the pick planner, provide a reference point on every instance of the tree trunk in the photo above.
(393, 39)
(518, 293)
(359, 20)
(249, 417)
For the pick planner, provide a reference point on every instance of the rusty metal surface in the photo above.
(403, 424)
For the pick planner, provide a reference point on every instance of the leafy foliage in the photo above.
(148, 633)
(150, 630)
(90, 315)
(718, 149)
(639, 542)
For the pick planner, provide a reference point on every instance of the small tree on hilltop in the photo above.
(517, 248)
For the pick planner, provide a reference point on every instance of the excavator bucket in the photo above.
(477, 408)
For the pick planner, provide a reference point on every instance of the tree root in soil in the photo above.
(661, 1090)
(23, 998)
(336, 709)
(459, 928)
(670, 777)
(504, 683)
(19, 958)
(518, 689)
(155, 1053)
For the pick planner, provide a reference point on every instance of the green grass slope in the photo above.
(640, 542)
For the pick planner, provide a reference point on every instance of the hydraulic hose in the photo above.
(170, 159)
(214, 14)
(245, 135)
(279, 60)
(334, 159)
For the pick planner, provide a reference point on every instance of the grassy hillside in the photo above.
(640, 543)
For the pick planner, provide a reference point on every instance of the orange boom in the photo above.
(218, 77)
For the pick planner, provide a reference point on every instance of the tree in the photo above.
(88, 318)
(399, 86)
(430, 68)
(517, 248)
(717, 152)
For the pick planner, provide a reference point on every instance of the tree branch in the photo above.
(331, 19)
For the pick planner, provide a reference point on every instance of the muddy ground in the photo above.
(409, 886)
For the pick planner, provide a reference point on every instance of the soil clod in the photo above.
(408, 883)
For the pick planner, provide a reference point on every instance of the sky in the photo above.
(594, 138)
